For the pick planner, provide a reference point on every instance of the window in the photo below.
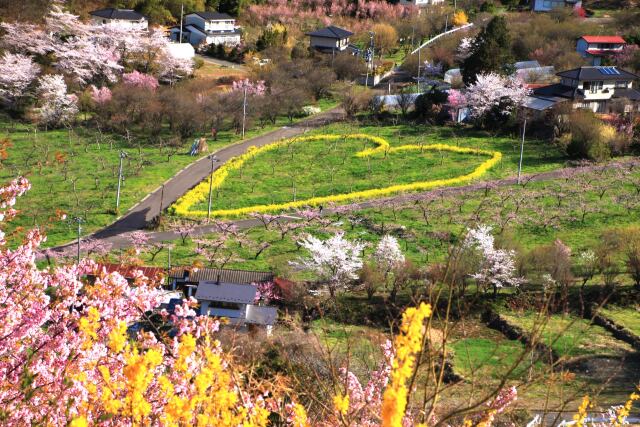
(621, 84)
(592, 87)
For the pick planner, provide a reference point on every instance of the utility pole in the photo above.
(244, 110)
(524, 126)
(181, 17)
(122, 156)
(214, 159)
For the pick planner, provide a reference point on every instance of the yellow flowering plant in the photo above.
(183, 206)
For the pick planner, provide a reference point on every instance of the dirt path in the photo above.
(117, 237)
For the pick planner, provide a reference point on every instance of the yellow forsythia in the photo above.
(198, 194)
(407, 344)
(460, 18)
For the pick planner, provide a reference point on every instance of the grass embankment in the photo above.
(628, 317)
(569, 336)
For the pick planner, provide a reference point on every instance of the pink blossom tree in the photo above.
(101, 96)
(17, 72)
(138, 79)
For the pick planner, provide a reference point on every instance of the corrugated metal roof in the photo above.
(538, 104)
(223, 275)
(227, 292)
(261, 315)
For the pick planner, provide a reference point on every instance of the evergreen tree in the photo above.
(491, 52)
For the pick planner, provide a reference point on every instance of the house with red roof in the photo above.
(595, 48)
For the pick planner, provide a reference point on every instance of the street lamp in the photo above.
(371, 57)
(79, 222)
(214, 159)
(524, 127)
(122, 156)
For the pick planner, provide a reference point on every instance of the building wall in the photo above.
(603, 93)
(194, 20)
(582, 46)
(222, 25)
(549, 5)
(230, 40)
(121, 23)
(325, 42)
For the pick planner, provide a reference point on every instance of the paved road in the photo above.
(118, 240)
(139, 216)
(222, 62)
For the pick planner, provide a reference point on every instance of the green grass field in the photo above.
(298, 171)
(77, 172)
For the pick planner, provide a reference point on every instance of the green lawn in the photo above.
(629, 317)
(298, 171)
(568, 335)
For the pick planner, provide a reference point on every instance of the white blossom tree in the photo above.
(56, 106)
(497, 266)
(335, 260)
(491, 90)
(388, 254)
(17, 72)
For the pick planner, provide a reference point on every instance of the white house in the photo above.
(226, 293)
(600, 89)
(329, 39)
(597, 47)
(205, 28)
(549, 5)
(121, 18)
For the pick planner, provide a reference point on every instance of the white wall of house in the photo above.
(329, 43)
(228, 39)
(227, 25)
(142, 24)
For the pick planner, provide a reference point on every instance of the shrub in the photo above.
(587, 139)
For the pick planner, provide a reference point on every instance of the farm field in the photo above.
(575, 210)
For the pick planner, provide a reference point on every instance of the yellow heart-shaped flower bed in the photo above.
(199, 194)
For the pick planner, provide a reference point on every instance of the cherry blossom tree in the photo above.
(67, 357)
(491, 90)
(138, 79)
(497, 266)
(56, 106)
(101, 96)
(257, 88)
(267, 292)
(388, 254)
(335, 260)
(17, 72)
